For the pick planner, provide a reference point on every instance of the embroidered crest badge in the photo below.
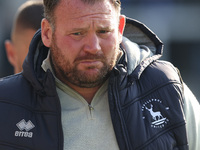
(157, 119)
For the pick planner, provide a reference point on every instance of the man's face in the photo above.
(85, 43)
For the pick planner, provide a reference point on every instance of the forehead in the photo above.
(76, 10)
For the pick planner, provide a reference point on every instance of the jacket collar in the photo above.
(43, 82)
(141, 47)
(140, 34)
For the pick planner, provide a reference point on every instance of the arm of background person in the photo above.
(192, 114)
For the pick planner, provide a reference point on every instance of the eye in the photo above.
(103, 31)
(77, 33)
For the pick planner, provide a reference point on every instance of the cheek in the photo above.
(111, 46)
(68, 48)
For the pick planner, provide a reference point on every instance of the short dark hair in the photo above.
(30, 15)
(50, 5)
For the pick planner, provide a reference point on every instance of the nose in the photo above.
(92, 44)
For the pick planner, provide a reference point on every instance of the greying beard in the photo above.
(80, 79)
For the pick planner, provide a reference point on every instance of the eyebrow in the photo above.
(87, 28)
(80, 29)
(104, 28)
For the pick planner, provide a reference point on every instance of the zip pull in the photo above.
(90, 107)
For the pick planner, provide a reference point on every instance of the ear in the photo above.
(122, 22)
(11, 53)
(46, 32)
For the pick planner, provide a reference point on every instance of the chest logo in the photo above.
(24, 128)
(158, 120)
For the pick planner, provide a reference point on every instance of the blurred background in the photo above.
(176, 23)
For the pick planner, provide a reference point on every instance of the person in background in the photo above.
(26, 23)
(92, 80)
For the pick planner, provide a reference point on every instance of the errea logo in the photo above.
(24, 128)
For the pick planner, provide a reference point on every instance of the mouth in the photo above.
(90, 63)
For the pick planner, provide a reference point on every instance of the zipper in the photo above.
(91, 109)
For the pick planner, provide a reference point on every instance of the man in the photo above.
(27, 22)
(85, 86)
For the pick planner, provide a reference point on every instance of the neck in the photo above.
(87, 93)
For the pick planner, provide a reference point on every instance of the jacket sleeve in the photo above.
(192, 114)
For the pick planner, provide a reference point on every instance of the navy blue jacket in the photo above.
(145, 102)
